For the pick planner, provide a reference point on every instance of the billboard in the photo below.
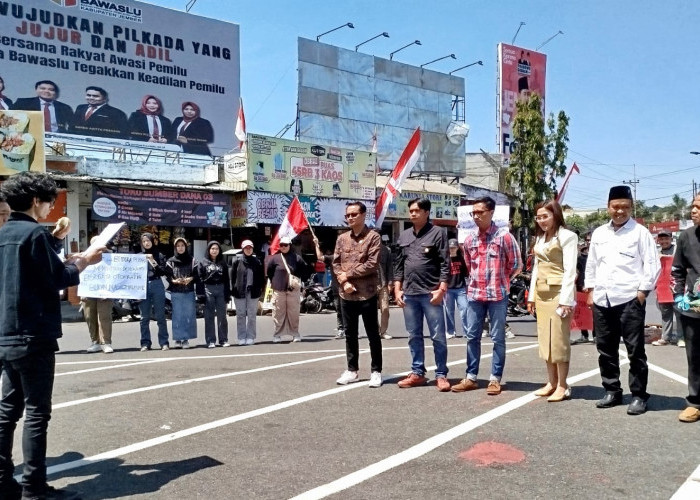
(442, 206)
(520, 73)
(128, 50)
(284, 166)
(21, 142)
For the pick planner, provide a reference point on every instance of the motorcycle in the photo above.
(122, 308)
(517, 298)
(315, 298)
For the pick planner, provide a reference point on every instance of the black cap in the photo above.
(664, 233)
(620, 193)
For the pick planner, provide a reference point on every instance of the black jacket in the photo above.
(64, 113)
(156, 272)
(213, 273)
(198, 134)
(277, 273)
(138, 127)
(181, 268)
(31, 275)
(239, 276)
(106, 121)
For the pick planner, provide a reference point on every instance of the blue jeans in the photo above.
(476, 313)
(155, 298)
(459, 296)
(417, 307)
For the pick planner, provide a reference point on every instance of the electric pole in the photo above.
(633, 182)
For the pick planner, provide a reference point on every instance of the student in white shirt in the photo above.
(622, 268)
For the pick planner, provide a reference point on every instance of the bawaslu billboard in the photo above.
(148, 60)
(520, 73)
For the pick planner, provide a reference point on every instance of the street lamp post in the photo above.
(415, 42)
(480, 63)
(349, 25)
(439, 59)
(384, 34)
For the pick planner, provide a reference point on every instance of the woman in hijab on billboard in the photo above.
(148, 123)
(191, 131)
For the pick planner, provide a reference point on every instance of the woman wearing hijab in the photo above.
(191, 131)
(214, 290)
(247, 283)
(155, 295)
(148, 123)
(180, 270)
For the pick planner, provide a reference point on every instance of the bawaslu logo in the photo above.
(114, 10)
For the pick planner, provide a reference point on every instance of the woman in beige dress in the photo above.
(552, 295)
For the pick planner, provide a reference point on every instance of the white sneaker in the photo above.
(348, 377)
(276, 339)
(225, 344)
(510, 335)
(185, 344)
(449, 336)
(375, 380)
(107, 349)
(95, 347)
(386, 336)
(297, 338)
(681, 343)
(178, 343)
(340, 334)
(484, 334)
(144, 348)
(211, 345)
(249, 341)
(241, 341)
(165, 347)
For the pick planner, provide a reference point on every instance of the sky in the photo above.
(625, 72)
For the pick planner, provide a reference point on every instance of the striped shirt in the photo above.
(492, 257)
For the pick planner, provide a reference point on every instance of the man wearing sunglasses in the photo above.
(356, 265)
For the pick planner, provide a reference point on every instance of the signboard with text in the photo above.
(130, 50)
(284, 166)
(160, 207)
(117, 276)
(442, 206)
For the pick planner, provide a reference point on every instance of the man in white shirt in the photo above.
(622, 268)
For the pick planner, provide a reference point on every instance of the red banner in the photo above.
(583, 316)
(663, 286)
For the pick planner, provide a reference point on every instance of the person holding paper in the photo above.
(155, 295)
(553, 295)
(181, 274)
(98, 316)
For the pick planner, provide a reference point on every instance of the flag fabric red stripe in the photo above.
(403, 167)
(294, 223)
(562, 191)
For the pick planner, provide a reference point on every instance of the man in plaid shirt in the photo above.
(493, 257)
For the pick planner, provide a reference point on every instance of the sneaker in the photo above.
(450, 336)
(340, 334)
(386, 336)
(145, 348)
(225, 344)
(185, 344)
(178, 344)
(375, 380)
(413, 380)
(443, 385)
(681, 343)
(107, 349)
(165, 347)
(95, 347)
(510, 335)
(276, 339)
(297, 338)
(347, 377)
(241, 341)
(249, 341)
(466, 384)
(494, 388)
(660, 342)
(690, 414)
(211, 345)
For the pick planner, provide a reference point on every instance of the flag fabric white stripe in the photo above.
(294, 223)
(240, 127)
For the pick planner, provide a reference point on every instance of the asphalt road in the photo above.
(268, 421)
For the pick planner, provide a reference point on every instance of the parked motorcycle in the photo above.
(122, 308)
(517, 298)
(315, 298)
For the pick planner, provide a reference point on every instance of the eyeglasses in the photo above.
(542, 217)
(352, 215)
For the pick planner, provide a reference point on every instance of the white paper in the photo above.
(106, 235)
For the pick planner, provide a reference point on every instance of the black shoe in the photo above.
(611, 399)
(11, 491)
(580, 340)
(637, 406)
(53, 493)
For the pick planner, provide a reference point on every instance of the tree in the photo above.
(538, 157)
(678, 207)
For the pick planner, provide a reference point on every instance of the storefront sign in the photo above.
(284, 166)
(117, 276)
(160, 207)
(443, 206)
(270, 208)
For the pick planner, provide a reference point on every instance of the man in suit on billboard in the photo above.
(97, 118)
(57, 115)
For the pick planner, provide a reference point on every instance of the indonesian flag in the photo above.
(294, 223)
(240, 127)
(408, 160)
(562, 191)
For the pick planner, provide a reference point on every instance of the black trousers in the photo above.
(624, 321)
(27, 384)
(691, 330)
(352, 310)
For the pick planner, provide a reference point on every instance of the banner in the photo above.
(117, 276)
(442, 206)
(465, 221)
(21, 141)
(56, 50)
(160, 207)
(284, 166)
(520, 73)
(270, 208)
(583, 315)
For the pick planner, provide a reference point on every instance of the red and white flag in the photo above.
(240, 127)
(562, 191)
(293, 224)
(408, 160)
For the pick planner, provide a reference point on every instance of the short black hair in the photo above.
(358, 204)
(42, 82)
(102, 91)
(423, 203)
(488, 202)
(21, 189)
